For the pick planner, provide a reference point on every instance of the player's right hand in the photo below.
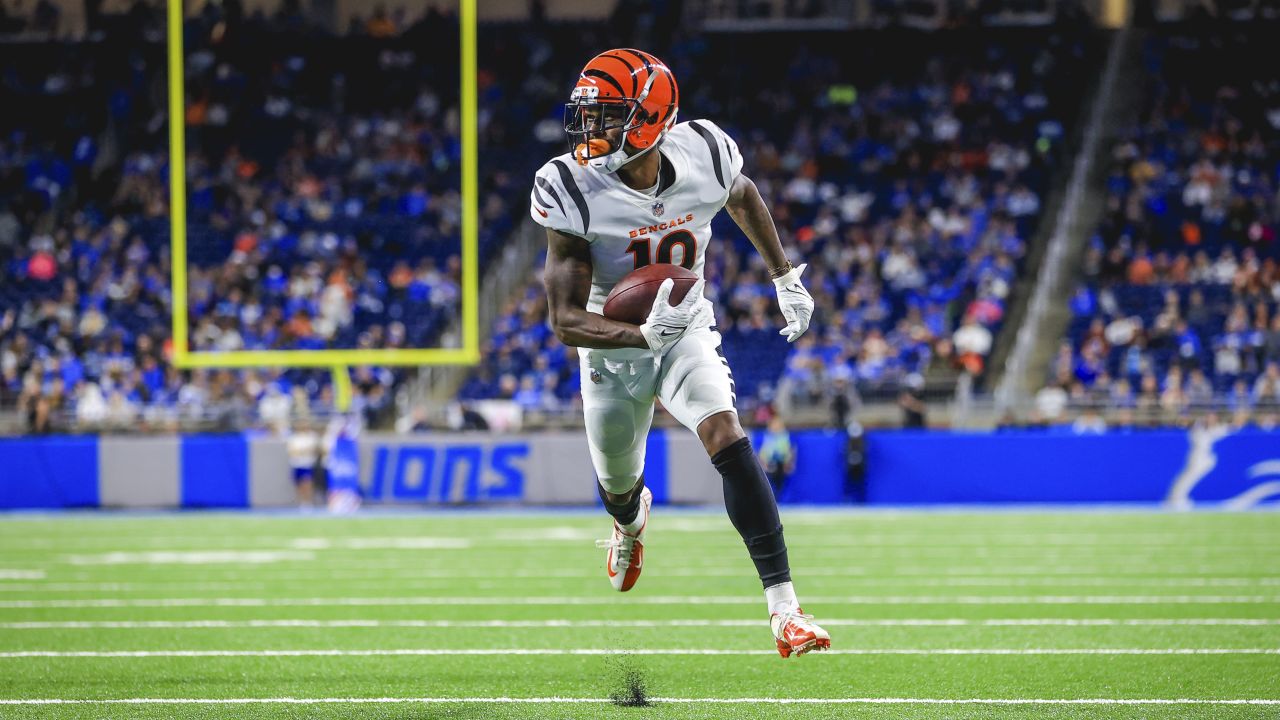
(668, 323)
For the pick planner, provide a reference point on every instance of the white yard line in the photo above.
(902, 573)
(818, 578)
(662, 700)
(503, 652)
(356, 552)
(137, 586)
(410, 542)
(191, 557)
(569, 623)
(551, 541)
(646, 600)
(428, 565)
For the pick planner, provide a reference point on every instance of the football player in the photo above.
(638, 188)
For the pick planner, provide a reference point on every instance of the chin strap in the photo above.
(615, 160)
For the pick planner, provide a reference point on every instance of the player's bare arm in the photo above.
(567, 277)
(748, 210)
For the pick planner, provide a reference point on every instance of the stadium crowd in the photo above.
(1179, 308)
(911, 192)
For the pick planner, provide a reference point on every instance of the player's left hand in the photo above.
(668, 323)
(795, 302)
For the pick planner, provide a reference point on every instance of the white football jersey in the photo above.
(628, 229)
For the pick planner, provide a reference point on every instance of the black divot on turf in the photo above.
(631, 690)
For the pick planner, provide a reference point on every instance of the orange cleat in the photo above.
(626, 552)
(797, 634)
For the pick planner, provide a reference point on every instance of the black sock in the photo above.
(626, 512)
(753, 510)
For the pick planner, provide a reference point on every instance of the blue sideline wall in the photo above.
(903, 468)
(1176, 467)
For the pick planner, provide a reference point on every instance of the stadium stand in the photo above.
(1177, 309)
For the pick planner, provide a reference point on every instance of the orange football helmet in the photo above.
(623, 89)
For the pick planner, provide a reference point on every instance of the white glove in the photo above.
(796, 303)
(667, 323)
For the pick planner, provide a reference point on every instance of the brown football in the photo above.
(632, 298)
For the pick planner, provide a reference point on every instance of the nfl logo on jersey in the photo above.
(658, 208)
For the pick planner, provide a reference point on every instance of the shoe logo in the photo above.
(541, 212)
(796, 634)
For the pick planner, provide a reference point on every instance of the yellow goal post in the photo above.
(335, 359)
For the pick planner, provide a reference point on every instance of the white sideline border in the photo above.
(656, 700)
(597, 623)
(490, 652)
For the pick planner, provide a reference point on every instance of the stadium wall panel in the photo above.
(270, 475)
(57, 472)
(139, 471)
(692, 479)
(1179, 468)
(215, 471)
(819, 474)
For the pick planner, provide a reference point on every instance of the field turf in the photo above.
(486, 615)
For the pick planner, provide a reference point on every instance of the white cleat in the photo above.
(626, 552)
(797, 633)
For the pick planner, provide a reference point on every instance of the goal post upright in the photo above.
(469, 352)
(177, 183)
(468, 119)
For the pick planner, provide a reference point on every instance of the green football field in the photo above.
(495, 615)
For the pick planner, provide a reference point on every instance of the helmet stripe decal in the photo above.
(713, 147)
(643, 60)
(566, 179)
(631, 72)
(542, 183)
(670, 81)
(592, 72)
